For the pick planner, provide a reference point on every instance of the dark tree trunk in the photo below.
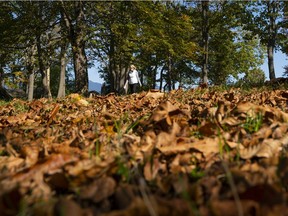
(169, 74)
(42, 66)
(75, 23)
(4, 95)
(80, 64)
(30, 67)
(154, 77)
(46, 88)
(161, 78)
(270, 52)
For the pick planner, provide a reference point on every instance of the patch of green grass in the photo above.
(23, 208)
(97, 147)
(196, 174)
(3, 153)
(4, 103)
(123, 170)
(136, 122)
(196, 134)
(220, 88)
(253, 123)
(20, 106)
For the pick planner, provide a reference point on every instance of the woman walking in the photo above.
(133, 80)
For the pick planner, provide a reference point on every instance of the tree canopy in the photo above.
(172, 43)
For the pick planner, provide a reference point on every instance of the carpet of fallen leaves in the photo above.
(195, 152)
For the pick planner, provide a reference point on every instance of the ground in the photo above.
(204, 151)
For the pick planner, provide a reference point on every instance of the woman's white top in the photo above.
(133, 77)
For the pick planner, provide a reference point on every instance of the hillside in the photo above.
(198, 152)
(94, 86)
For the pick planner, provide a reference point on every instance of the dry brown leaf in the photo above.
(53, 113)
(206, 146)
(154, 95)
(9, 165)
(51, 164)
(208, 128)
(268, 112)
(151, 169)
(98, 190)
(68, 207)
(30, 153)
(245, 207)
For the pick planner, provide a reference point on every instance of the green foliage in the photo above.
(269, 23)
(285, 74)
(4, 103)
(230, 54)
(253, 78)
(253, 123)
(97, 148)
(19, 106)
(24, 208)
(196, 174)
(123, 170)
(135, 123)
(164, 39)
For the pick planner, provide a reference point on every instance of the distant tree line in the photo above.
(46, 47)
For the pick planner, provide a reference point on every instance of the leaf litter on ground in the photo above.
(195, 152)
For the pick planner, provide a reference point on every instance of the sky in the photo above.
(93, 74)
(280, 60)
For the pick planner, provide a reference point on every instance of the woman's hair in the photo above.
(133, 67)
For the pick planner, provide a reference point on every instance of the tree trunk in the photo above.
(46, 82)
(62, 85)
(205, 36)
(154, 71)
(271, 39)
(75, 23)
(169, 74)
(161, 79)
(270, 51)
(30, 68)
(80, 65)
(41, 66)
(31, 86)
(123, 76)
(112, 77)
(3, 93)
(1, 76)
(111, 67)
(117, 76)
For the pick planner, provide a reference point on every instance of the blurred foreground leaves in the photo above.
(196, 152)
